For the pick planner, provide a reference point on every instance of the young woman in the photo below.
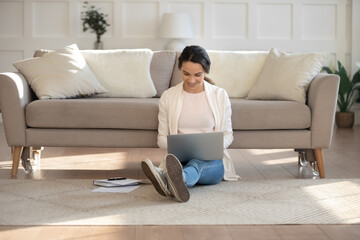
(194, 106)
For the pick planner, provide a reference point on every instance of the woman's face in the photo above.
(193, 76)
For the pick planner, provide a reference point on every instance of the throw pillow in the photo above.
(60, 74)
(236, 71)
(287, 76)
(123, 73)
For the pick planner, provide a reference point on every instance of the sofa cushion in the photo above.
(60, 74)
(117, 113)
(123, 72)
(287, 76)
(236, 71)
(137, 113)
(161, 68)
(269, 115)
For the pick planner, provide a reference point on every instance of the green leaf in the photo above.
(356, 78)
(94, 20)
(327, 69)
(342, 106)
(345, 84)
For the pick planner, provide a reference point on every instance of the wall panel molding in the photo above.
(50, 19)
(195, 11)
(226, 14)
(275, 21)
(317, 26)
(291, 25)
(12, 19)
(140, 19)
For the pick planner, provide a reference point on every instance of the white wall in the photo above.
(291, 25)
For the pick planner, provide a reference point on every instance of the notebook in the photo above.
(202, 146)
(116, 182)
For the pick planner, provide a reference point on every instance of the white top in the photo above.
(170, 105)
(196, 115)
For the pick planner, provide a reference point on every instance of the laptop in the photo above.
(202, 146)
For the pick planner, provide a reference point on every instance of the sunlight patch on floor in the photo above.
(348, 204)
(121, 219)
(256, 152)
(105, 156)
(5, 164)
(95, 161)
(279, 161)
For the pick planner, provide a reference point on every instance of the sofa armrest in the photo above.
(15, 94)
(322, 98)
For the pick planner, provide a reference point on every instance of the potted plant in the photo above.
(345, 118)
(96, 21)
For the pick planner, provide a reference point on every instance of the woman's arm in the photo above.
(163, 128)
(228, 131)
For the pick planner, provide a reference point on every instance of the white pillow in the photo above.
(60, 74)
(236, 71)
(124, 73)
(287, 76)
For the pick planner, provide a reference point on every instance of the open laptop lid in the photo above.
(202, 146)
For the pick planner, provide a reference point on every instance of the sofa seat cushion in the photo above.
(100, 113)
(139, 113)
(269, 115)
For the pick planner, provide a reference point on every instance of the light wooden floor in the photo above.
(342, 160)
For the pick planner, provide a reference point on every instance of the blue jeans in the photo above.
(203, 172)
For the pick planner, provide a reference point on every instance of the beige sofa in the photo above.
(132, 122)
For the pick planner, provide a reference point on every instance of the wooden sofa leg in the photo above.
(320, 161)
(16, 159)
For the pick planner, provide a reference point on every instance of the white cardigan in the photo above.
(170, 105)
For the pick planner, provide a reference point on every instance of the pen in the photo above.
(116, 178)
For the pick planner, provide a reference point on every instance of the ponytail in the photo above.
(209, 80)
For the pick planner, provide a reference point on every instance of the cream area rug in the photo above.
(72, 202)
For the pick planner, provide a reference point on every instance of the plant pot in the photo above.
(344, 119)
(99, 45)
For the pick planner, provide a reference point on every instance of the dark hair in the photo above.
(196, 54)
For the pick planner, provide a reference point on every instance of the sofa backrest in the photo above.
(235, 71)
(238, 72)
(176, 74)
(161, 70)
